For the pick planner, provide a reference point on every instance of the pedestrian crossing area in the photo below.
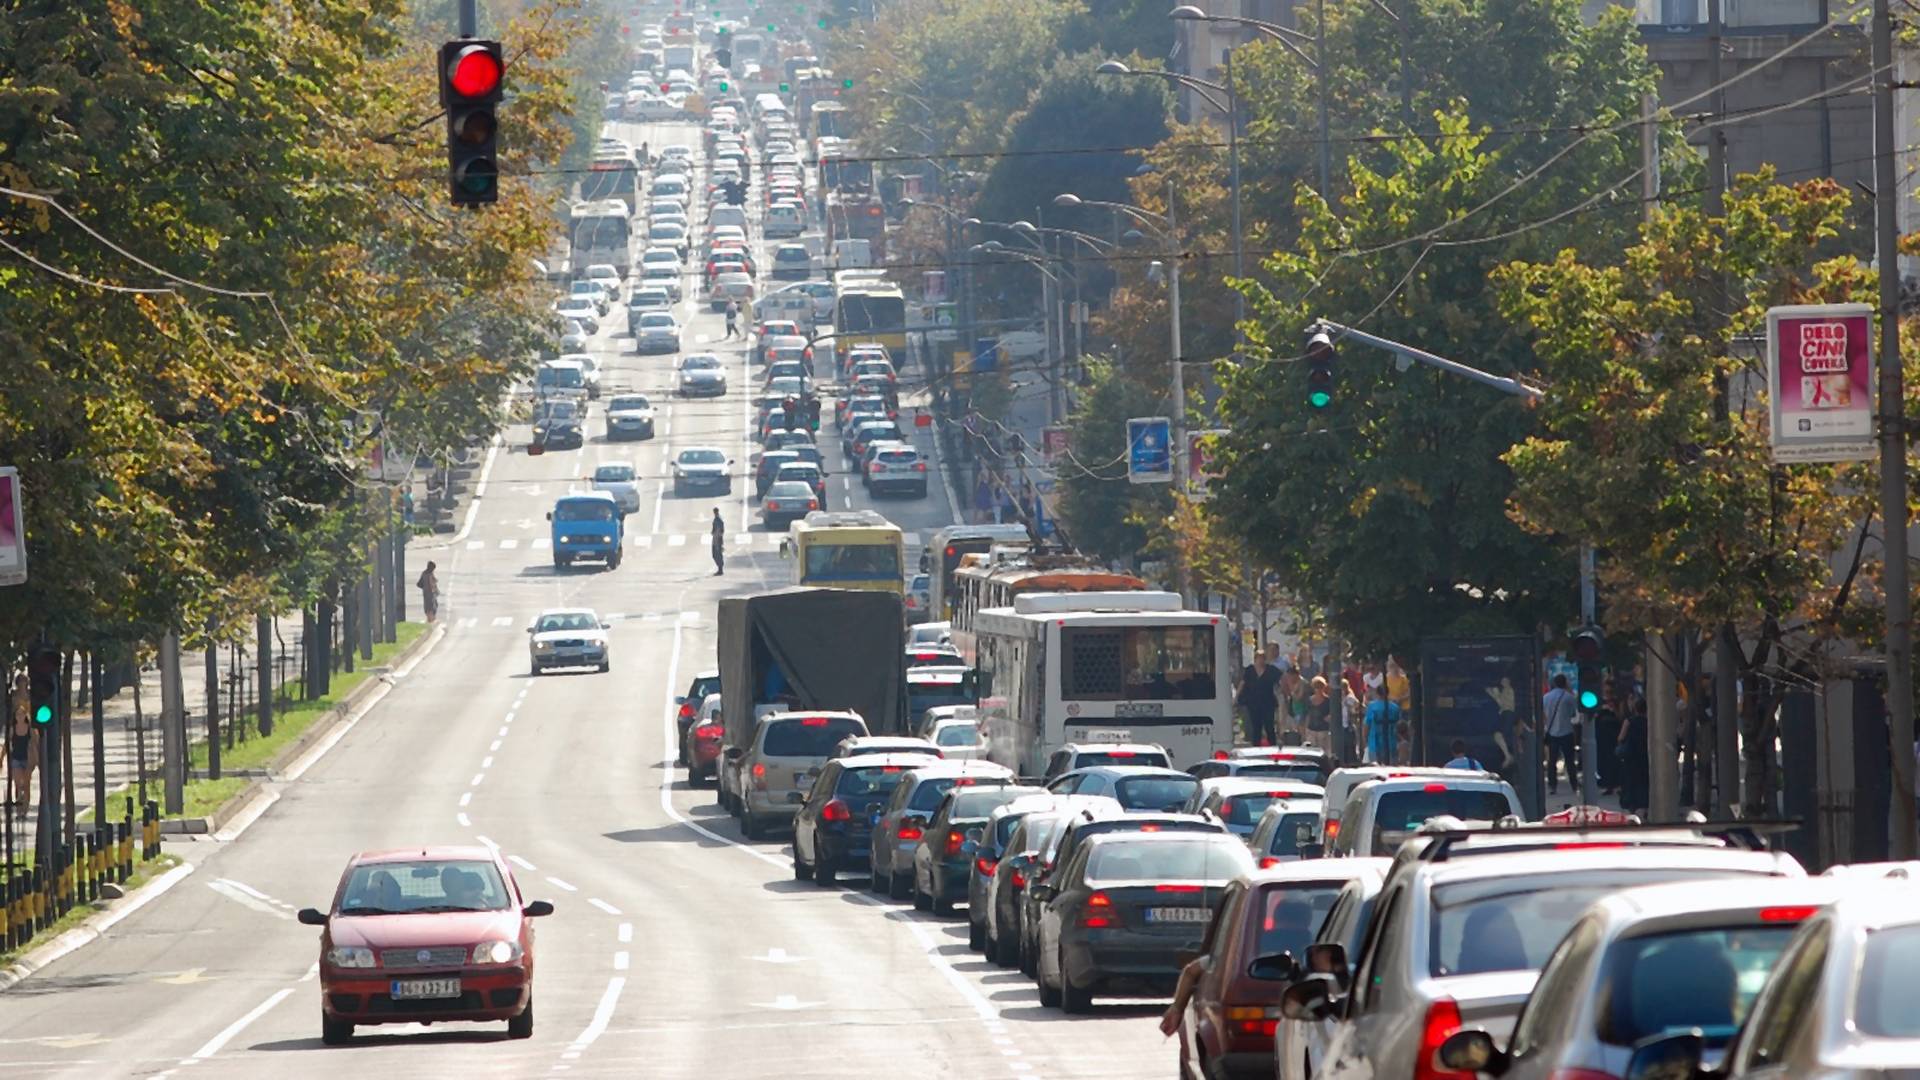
(517, 622)
(768, 540)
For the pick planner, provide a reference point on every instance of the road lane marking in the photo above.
(488, 841)
(521, 863)
(477, 777)
(503, 730)
(232, 891)
(601, 1014)
(487, 763)
(465, 822)
(213, 1045)
(620, 960)
(659, 504)
(668, 775)
(603, 905)
(625, 933)
(540, 542)
(468, 623)
(677, 540)
(562, 885)
(495, 746)
(643, 541)
(466, 797)
(776, 956)
(503, 620)
(509, 544)
(476, 545)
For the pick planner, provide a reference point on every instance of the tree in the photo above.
(1104, 513)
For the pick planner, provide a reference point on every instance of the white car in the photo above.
(567, 637)
(607, 276)
(629, 416)
(662, 277)
(702, 375)
(618, 479)
(593, 293)
(589, 371)
(660, 256)
(649, 298)
(581, 309)
(730, 286)
(959, 739)
(656, 332)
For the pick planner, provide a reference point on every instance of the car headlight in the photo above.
(496, 952)
(542, 646)
(350, 956)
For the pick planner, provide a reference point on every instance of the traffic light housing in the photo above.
(472, 73)
(736, 192)
(1589, 650)
(43, 686)
(724, 57)
(1320, 369)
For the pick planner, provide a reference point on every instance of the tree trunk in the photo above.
(1757, 729)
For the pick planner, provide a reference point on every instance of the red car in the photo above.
(703, 750)
(426, 935)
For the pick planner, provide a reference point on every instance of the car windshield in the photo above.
(1088, 758)
(923, 696)
(613, 474)
(1245, 809)
(790, 489)
(1294, 914)
(803, 472)
(1004, 828)
(808, 736)
(1280, 770)
(424, 885)
(1286, 837)
(626, 403)
(1705, 978)
(1203, 859)
(927, 796)
(1402, 811)
(702, 457)
(656, 320)
(869, 784)
(957, 735)
(700, 363)
(851, 562)
(567, 620)
(1154, 792)
(1884, 1003)
(583, 510)
(1512, 924)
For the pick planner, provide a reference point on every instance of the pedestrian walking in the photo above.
(1382, 724)
(429, 585)
(1293, 699)
(1461, 759)
(1559, 710)
(1320, 718)
(1606, 740)
(719, 544)
(1634, 780)
(733, 318)
(1259, 685)
(23, 746)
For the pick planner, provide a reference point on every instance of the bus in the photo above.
(614, 175)
(841, 167)
(747, 49)
(869, 310)
(599, 232)
(1120, 667)
(949, 545)
(847, 549)
(994, 579)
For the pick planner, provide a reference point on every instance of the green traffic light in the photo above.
(823, 24)
(771, 28)
(43, 715)
(783, 88)
(846, 84)
(723, 88)
(1589, 699)
(1319, 399)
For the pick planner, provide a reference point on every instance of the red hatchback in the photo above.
(426, 935)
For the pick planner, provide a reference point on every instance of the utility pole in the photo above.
(469, 18)
(263, 674)
(1589, 740)
(1322, 76)
(1726, 650)
(1901, 831)
(1179, 412)
(173, 725)
(1663, 767)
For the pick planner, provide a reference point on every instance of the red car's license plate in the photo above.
(417, 989)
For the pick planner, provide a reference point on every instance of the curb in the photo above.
(381, 681)
(92, 929)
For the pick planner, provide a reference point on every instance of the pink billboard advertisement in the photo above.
(1820, 382)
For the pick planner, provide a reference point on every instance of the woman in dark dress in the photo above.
(1606, 738)
(1633, 757)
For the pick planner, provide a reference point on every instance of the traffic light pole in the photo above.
(1501, 383)
(469, 18)
(1589, 740)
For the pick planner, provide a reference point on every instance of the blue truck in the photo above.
(590, 525)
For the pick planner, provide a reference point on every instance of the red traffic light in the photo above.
(474, 71)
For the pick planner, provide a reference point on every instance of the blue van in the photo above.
(587, 526)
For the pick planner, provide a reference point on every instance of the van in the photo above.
(560, 378)
(778, 768)
(791, 263)
(851, 254)
(587, 526)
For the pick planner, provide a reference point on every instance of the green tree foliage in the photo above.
(1104, 513)
(1110, 28)
(191, 454)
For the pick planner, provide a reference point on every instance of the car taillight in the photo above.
(759, 771)
(919, 466)
(908, 831)
(812, 505)
(835, 810)
(686, 710)
(955, 842)
(985, 865)
(1252, 1020)
(814, 721)
(1099, 912)
(773, 505)
(1177, 888)
(1787, 914)
(709, 731)
(1019, 880)
(1443, 1019)
(877, 467)
(1333, 829)
(1268, 862)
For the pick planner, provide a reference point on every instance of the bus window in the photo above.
(1137, 663)
(852, 562)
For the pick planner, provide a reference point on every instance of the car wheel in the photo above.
(334, 1032)
(1004, 950)
(521, 1027)
(801, 871)
(900, 886)
(823, 872)
(1073, 999)
(1049, 995)
(604, 665)
(1028, 965)
(921, 901)
(976, 936)
(533, 667)
(749, 825)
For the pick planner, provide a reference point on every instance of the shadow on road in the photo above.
(371, 1039)
(663, 834)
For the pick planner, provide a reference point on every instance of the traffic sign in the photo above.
(13, 529)
(1150, 450)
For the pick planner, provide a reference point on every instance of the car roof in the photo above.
(939, 674)
(583, 496)
(945, 768)
(803, 714)
(1464, 782)
(1305, 804)
(567, 610)
(440, 852)
(1234, 785)
(1676, 900)
(1273, 753)
(1321, 870)
(955, 721)
(900, 760)
(1118, 747)
(1024, 804)
(1565, 860)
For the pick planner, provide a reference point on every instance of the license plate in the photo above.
(1178, 914)
(416, 989)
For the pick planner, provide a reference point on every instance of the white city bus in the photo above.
(1101, 667)
(599, 233)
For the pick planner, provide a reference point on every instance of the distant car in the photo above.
(702, 742)
(862, 745)
(903, 822)
(787, 501)
(426, 934)
(629, 416)
(943, 860)
(703, 469)
(1082, 755)
(932, 687)
(787, 752)
(792, 262)
(1238, 801)
(701, 375)
(704, 683)
(1285, 827)
(618, 479)
(930, 633)
(567, 637)
(662, 277)
(735, 286)
(656, 332)
(556, 425)
(1379, 814)
(807, 473)
(648, 297)
(831, 830)
(897, 468)
(1137, 788)
(593, 293)
(918, 599)
(960, 740)
(582, 309)
(608, 276)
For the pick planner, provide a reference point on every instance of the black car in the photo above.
(831, 833)
(1015, 864)
(1125, 911)
(944, 859)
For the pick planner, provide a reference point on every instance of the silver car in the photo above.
(656, 331)
(1463, 927)
(781, 763)
(1643, 963)
(1238, 801)
(1839, 1005)
(567, 637)
(1300, 1042)
(701, 375)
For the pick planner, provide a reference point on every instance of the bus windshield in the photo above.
(867, 312)
(595, 231)
(1137, 663)
(852, 562)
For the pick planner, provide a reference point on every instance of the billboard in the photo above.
(1820, 382)
(13, 529)
(1150, 450)
(1485, 692)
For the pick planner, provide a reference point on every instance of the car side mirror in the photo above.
(312, 917)
(1043, 892)
(1471, 1050)
(1278, 967)
(734, 753)
(1674, 1057)
(1308, 999)
(606, 626)
(537, 909)
(549, 515)
(529, 629)
(1328, 958)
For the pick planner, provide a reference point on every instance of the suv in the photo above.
(1343, 781)
(830, 831)
(1381, 814)
(773, 774)
(1238, 801)
(943, 860)
(897, 468)
(1468, 917)
(1080, 755)
(897, 832)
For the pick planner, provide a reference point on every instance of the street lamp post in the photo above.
(1287, 37)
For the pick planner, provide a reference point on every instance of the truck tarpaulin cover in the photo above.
(821, 648)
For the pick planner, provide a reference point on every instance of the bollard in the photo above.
(126, 847)
(10, 911)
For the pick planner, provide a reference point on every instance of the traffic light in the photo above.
(785, 87)
(471, 73)
(43, 686)
(1589, 649)
(846, 84)
(1320, 370)
(736, 192)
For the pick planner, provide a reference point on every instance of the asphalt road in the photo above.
(678, 949)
